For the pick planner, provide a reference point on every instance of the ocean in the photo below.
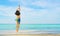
(37, 27)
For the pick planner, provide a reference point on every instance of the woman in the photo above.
(17, 19)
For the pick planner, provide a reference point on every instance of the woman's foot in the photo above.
(16, 30)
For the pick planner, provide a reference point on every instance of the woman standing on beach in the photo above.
(17, 13)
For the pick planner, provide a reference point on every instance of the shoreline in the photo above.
(28, 32)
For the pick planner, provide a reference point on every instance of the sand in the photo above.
(30, 35)
(27, 33)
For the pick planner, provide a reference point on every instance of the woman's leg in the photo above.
(17, 26)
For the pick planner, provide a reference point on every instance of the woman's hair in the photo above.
(17, 13)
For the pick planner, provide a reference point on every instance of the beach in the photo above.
(27, 33)
(30, 30)
(32, 35)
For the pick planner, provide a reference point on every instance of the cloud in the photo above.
(7, 14)
(40, 3)
(29, 15)
(8, 11)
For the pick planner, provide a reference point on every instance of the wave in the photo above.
(29, 32)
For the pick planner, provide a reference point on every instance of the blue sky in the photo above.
(32, 11)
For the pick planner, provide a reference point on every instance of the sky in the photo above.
(32, 11)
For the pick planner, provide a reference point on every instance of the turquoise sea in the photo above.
(55, 27)
(30, 28)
